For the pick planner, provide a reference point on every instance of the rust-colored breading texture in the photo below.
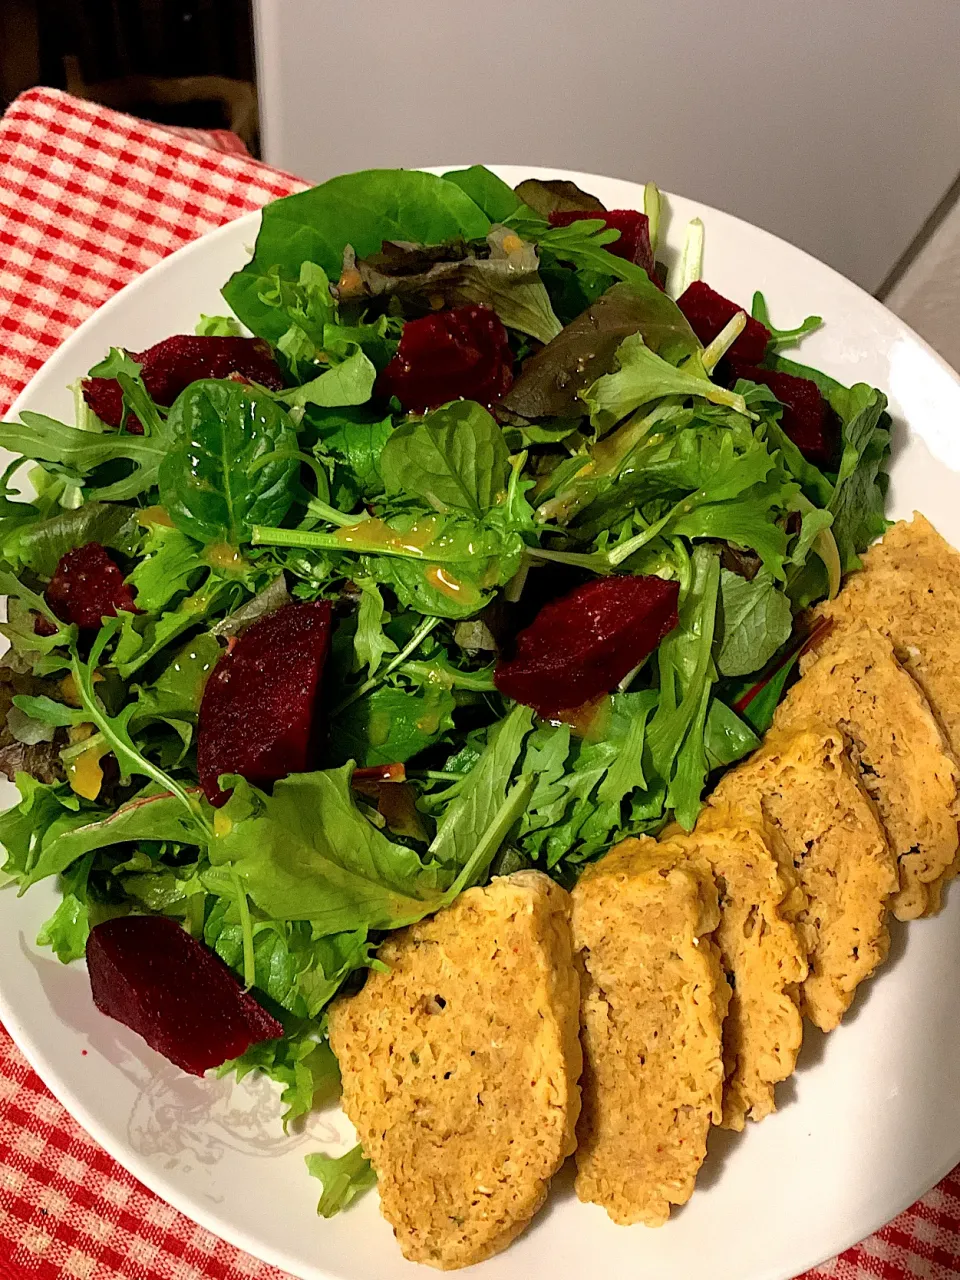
(909, 589)
(761, 953)
(460, 1068)
(653, 1001)
(853, 680)
(807, 788)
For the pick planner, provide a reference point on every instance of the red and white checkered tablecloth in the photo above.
(89, 199)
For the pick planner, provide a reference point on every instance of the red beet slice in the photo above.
(258, 712)
(87, 586)
(708, 312)
(460, 353)
(583, 644)
(156, 979)
(807, 418)
(634, 228)
(174, 363)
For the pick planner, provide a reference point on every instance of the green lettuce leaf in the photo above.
(755, 620)
(343, 1179)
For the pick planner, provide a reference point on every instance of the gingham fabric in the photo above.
(89, 199)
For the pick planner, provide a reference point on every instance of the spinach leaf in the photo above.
(456, 459)
(307, 853)
(488, 192)
(726, 737)
(360, 209)
(755, 620)
(218, 478)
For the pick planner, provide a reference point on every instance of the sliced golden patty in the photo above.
(808, 789)
(853, 680)
(761, 953)
(653, 1001)
(460, 1068)
(909, 589)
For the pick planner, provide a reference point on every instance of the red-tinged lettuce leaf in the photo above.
(552, 380)
(258, 717)
(556, 195)
(151, 975)
(585, 643)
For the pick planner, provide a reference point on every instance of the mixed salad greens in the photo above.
(479, 406)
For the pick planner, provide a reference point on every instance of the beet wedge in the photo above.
(807, 418)
(463, 352)
(151, 975)
(583, 644)
(707, 313)
(171, 365)
(258, 715)
(87, 586)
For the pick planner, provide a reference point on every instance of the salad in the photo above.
(472, 540)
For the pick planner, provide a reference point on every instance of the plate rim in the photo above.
(46, 1068)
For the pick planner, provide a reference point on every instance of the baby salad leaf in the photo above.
(456, 459)
(392, 725)
(755, 620)
(302, 1062)
(40, 546)
(371, 642)
(643, 376)
(217, 327)
(360, 209)
(343, 1178)
(348, 383)
(169, 565)
(307, 853)
(780, 338)
(218, 477)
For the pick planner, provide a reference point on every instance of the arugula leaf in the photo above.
(643, 376)
(360, 209)
(343, 1178)
(136, 398)
(46, 440)
(755, 620)
(307, 853)
(780, 338)
(857, 501)
(455, 459)
(481, 796)
(218, 477)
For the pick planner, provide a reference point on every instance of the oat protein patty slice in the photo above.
(853, 680)
(653, 1001)
(761, 953)
(807, 788)
(460, 1068)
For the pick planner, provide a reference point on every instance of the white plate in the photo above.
(869, 1122)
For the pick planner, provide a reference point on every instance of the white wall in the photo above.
(835, 123)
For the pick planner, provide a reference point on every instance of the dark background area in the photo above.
(180, 62)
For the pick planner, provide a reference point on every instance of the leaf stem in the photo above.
(714, 352)
(411, 646)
